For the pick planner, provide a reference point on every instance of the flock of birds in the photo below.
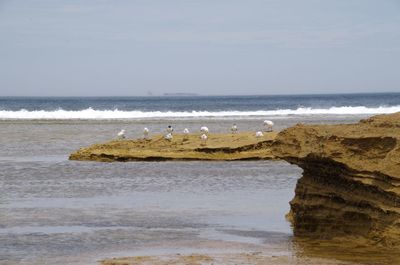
(268, 127)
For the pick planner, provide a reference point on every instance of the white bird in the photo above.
(204, 130)
(204, 138)
(170, 129)
(268, 125)
(146, 133)
(259, 134)
(168, 137)
(121, 134)
(185, 134)
(234, 128)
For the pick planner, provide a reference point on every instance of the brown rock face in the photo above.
(351, 180)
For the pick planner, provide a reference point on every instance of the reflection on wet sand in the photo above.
(356, 250)
(273, 248)
(251, 258)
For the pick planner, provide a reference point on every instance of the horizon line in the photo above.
(205, 95)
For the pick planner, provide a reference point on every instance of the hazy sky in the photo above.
(130, 47)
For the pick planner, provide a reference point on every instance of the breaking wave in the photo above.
(93, 114)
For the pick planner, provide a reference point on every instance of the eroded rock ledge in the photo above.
(241, 146)
(351, 180)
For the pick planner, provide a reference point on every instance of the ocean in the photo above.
(56, 211)
(197, 106)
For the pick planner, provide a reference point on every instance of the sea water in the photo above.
(198, 106)
(53, 210)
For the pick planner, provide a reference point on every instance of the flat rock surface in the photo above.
(240, 146)
(370, 145)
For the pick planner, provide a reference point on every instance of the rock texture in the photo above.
(241, 146)
(351, 180)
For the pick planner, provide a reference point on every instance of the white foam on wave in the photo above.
(92, 114)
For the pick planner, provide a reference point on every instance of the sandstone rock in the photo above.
(241, 146)
(351, 180)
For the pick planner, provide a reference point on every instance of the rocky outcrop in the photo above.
(351, 180)
(241, 146)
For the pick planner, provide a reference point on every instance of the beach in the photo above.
(199, 132)
(58, 211)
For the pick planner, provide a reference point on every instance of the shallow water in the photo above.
(67, 212)
(52, 209)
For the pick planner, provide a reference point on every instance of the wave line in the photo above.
(93, 114)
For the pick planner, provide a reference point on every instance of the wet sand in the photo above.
(246, 258)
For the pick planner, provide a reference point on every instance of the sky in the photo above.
(208, 47)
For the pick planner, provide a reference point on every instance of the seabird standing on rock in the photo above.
(203, 138)
(146, 133)
(234, 128)
(185, 133)
(259, 134)
(204, 129)
(168, 137)
(170, 129)
(121, 134)
(268, 125)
